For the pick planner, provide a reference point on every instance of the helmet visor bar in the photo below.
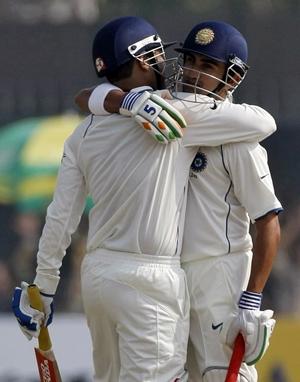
(141, 46)
(151, 51)
(236, 71)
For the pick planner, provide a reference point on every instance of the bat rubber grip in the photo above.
(37, 303)
(236, 359)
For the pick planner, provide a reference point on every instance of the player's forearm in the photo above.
(227, 123)
(62, 219)
(113, 101)
(264, 252)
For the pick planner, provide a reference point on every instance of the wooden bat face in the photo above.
(48, 368)
(46, 361)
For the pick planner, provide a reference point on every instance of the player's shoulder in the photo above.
(79, 131)
(87, 124)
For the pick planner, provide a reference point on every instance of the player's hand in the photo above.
(81, 99)
(29, 319)
(256, 327)
(161, 120)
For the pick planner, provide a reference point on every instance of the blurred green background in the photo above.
(46, 58)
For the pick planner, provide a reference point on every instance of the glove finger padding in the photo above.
(155, 115)
(158, 129)
(257, 342)
(174, 113)
(28, 318)
(256, 327)
(230, 329)
(171, 123)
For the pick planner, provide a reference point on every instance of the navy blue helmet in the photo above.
(122, 39)
(217, 40)
(223, 43)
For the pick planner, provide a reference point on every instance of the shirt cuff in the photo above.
(46, 283)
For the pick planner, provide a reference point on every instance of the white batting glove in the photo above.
(161, 120)
(30, 320)
(256, 327)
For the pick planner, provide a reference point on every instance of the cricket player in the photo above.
(229, 184)
(134, 291)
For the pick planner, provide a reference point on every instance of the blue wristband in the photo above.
(250, 300)
(129, 100)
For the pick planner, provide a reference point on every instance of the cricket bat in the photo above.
(236, 359)
(45, 357)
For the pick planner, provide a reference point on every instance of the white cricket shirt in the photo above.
(228, 186)
(137, 185)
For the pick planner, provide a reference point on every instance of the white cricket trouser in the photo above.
(215, 285)
(137, 308)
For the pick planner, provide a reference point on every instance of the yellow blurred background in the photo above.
(281, 362)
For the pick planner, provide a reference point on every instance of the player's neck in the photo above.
(140, 76)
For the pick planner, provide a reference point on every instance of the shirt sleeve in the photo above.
(247, 165)
(62, 219)
(220, 123)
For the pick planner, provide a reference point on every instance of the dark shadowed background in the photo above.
(45, 58)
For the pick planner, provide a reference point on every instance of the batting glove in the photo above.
(30, 320)
(256, 327)
(161, 120)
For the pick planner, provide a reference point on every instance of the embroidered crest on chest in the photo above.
(199, 162)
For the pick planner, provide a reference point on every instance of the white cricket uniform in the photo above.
(228, 186)
(134, 291)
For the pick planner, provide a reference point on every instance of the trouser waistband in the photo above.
(140, 258)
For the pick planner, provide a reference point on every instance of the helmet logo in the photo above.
(204, 36)
(100, 65)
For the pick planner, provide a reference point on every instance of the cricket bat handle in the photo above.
(236, 359)
(37, 303)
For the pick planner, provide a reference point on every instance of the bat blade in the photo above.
(236, 359)
(47, 365)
